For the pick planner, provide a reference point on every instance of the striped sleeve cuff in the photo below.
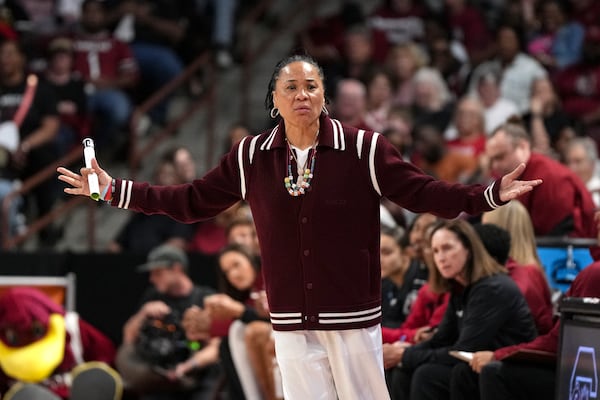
(492, 195)
(122, 193)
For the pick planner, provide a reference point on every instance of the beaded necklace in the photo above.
(303, 181)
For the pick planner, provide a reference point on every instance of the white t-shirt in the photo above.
(302, 159)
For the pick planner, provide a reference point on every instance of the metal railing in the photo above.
(137, 153)
(10, 241)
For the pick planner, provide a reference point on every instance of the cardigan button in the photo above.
(307, 252)
(309, 286)
(313, 319)
(304, 220)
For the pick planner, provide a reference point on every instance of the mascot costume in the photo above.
(48, 353)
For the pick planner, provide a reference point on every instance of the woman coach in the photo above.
(314, 187)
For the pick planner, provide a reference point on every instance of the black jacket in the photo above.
(487, 315)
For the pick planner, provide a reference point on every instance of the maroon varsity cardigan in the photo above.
(320, 251)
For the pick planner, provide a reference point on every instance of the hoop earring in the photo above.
(324, 110)
(274, 112)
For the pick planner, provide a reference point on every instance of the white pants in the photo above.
(239, 355)
(330, 365)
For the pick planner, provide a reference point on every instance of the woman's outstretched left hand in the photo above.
(511, 188)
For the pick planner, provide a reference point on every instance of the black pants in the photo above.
(504, 381)
(434, 382)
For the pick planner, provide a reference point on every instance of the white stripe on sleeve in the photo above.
(372, 163)
(122, 194)
(241, 167)
(128, 198)
(359, 142)
(336, 144)
(489, 196)
(341, 132)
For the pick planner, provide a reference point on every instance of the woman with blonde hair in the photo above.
(524, 265)
(515, 218)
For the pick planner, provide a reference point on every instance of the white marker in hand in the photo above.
(88, 155)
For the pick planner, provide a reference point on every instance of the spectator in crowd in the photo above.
(486, 310)
(426, 312)
(582, 158)
(578, 87)
(109, 69)
(223, 28)
(568, 206)
(502, 380)
(497, 108)
(324, 38)
(242, 231)
(400, 21)
(379, 100)
(516, 220)
(403, 62)
(586, 12)
(143, 232)
(550, 127)
(210, 236)
(558, 43)
(350, 103)
(10, 13)
(145, 368)
(184, 163)
(237, 132)
(400, 279)
(29, 123)
(433, 103)
(433, 157)
(41, 16)
(447, 54)
(399, 130)
(469, 127)
(357, 56)
(70, 93)
(519, 70)
(242, 300)
(468, 27)
(158, 27)
(529, 277)
(417, 240)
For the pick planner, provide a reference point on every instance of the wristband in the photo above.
(106, 193)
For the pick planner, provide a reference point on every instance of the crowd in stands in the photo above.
(77, 68)
(465, 90)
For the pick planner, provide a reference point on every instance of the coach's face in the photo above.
(299, 94)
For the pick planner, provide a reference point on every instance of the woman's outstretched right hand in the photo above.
(79, 183)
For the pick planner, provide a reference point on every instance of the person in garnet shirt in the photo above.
(314, 187)
(568, 206)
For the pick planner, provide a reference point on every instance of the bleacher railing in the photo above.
(137, 153)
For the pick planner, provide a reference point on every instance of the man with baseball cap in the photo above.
(171, 294)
